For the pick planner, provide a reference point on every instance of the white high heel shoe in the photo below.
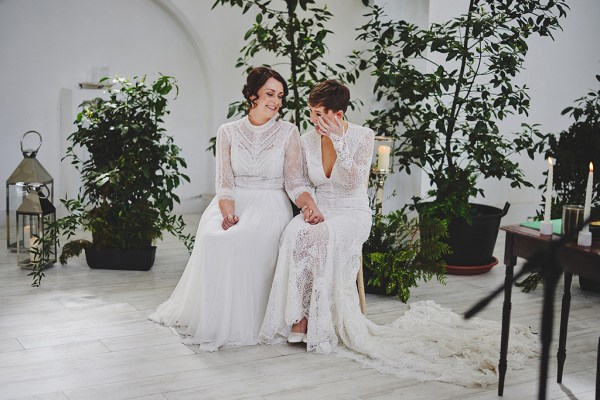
(296, 337)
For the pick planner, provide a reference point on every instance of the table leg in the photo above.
(508, 283)
(598, 372)
(561, 355)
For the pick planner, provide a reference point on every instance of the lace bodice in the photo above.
(345, 188)
(258, 157)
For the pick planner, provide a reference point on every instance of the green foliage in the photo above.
(294, 32)
(400, 252)
(73, 249)
(446, 118)
(133, 168)
(573, 149)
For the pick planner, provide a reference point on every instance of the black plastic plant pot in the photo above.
(473, 244)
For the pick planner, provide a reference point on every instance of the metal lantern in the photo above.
(384, 154)
(34, 240)
(28, 172)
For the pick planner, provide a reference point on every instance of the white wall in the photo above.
(47, 46)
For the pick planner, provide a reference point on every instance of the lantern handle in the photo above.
(30, 153)
(39, 188)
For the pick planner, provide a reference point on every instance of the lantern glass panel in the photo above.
(28, 233)
(15, 194)
(34, 239)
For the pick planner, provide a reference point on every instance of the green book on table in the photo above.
(556, 225)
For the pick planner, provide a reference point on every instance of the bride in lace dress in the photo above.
(223, 292)
(314, 296)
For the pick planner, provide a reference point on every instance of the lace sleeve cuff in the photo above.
(344, 158)
(226, 194)
(293, 194)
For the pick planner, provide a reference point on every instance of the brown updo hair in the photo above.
(256, 79)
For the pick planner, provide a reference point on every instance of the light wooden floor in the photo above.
(84, 335)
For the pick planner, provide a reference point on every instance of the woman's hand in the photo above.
(328, 127)
(229, 220)
(312, 214)
(308, 208)
(227, 207)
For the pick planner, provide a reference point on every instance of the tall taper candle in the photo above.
(549, 189)
(588, 198)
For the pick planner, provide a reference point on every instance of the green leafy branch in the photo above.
(400, 252)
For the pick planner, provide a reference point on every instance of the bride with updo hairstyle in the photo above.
(222, 295)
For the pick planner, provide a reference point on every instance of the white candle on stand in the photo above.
(588, 198)
(383, 157)
(549, 189)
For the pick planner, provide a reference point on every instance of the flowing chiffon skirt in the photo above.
(222, 295)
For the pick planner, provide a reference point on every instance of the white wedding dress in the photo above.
(223, 292)
(316, 278)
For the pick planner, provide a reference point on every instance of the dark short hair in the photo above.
(331, 94)
(257, 77)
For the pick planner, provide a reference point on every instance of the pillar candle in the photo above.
(588, 198)
(26, 236)
(383, 157)
(549, 189)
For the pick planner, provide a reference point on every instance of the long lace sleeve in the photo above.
(293, 171)
(353, 169)
(224, 180)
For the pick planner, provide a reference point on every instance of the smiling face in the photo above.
(268, 102)
(317, 111)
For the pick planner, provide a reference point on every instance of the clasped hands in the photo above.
(312, 214)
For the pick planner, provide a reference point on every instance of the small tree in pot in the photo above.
(128, 179)
(449, 116)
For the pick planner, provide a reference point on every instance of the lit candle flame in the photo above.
(591, 166)
(550, 161)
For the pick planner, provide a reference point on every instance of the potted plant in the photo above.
(129, 174)
(446, 115)
(400, 252)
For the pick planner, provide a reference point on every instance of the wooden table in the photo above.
(525, 243)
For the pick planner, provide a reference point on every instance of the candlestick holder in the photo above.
(584, 238)
(383, 154)
(379, 184)
(546, 228)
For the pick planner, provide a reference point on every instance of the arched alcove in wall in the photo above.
(49, 47)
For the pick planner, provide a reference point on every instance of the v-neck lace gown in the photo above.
(316, 278)
(223, 292)
(317, 266)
